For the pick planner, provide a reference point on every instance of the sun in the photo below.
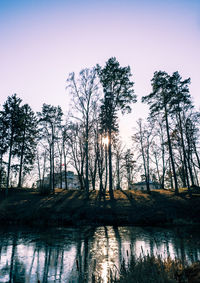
(105, 140)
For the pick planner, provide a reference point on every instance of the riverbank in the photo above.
(156, 269)
(25, 206)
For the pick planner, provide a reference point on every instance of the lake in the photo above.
(77, 254)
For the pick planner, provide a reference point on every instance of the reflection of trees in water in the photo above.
(167, 244)
(175, 244)
(14, 244)
(151, 245)
(19, 272)
(86, 258)
(193, 252)
(79, 260)
(83, 265)
(179, 247)
(61, 266)
(132, 243)
(157, 243)
(105, 251)
(0, 250)
(32, 262)
(46, 264)
(185, 247)
(14, 268)
(119, 241)
(57, 262)
(182, 250)
(4, 270)
(107, 246)
(53, 268)
(52, 262)
(92, 252)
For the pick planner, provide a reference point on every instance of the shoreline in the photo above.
(70, 208)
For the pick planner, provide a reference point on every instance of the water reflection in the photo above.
(78, 255)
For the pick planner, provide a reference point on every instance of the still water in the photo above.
(77, 254)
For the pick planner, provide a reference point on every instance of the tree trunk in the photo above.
(106, 166)
(14, 244)
(1, 169)
(21, 160)
(61, 171)
(9, 163)
(184, 173)
(100, 167)
(94, 175)
(184, 152)
(129, 177)
(86, 160)
(65, 165)
(195, 174)
(189, 159)
(110, 166)
(100, 171)
(163, 159)
(171, 175)
(190, 169)
(182, 169)
(196, 153)
(157, 167)
(50, 177)
(44, 169)
(66, 181)
(171, 153)
(148, 169)
(118, 173)
(39, 171)
(61, 153)
(81, 181)
(53, 176)
(145, 160)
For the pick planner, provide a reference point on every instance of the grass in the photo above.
(71, 207)
(151, 269)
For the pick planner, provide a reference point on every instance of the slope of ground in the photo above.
(72, 208)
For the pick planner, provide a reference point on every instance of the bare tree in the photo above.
(84, 91)
(129, 164)
(75, 140)
(118, 151)
(143, 138)
(50, 121)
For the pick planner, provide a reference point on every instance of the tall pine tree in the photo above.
(26, 141)
(11, 120)
(118, 95)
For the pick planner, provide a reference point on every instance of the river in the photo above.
(76, 254)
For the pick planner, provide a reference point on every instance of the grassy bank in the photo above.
(151, 269)
(27, 206)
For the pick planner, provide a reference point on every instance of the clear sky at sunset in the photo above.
(41, 41)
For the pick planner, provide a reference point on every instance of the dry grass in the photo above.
(151, 269)
(72, 207)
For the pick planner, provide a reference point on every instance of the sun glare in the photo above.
(105, 140)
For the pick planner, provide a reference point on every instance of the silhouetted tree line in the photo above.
(165, 147)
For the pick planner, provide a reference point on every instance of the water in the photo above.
(74, 254)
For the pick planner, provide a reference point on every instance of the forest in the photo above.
(86, 140)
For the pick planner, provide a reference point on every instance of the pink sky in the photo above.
(42, 43)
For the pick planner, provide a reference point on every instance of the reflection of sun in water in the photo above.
(105, 140)
(105, 252)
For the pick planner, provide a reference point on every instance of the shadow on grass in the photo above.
(130, 197)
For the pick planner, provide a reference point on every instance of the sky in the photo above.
(42, 41)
